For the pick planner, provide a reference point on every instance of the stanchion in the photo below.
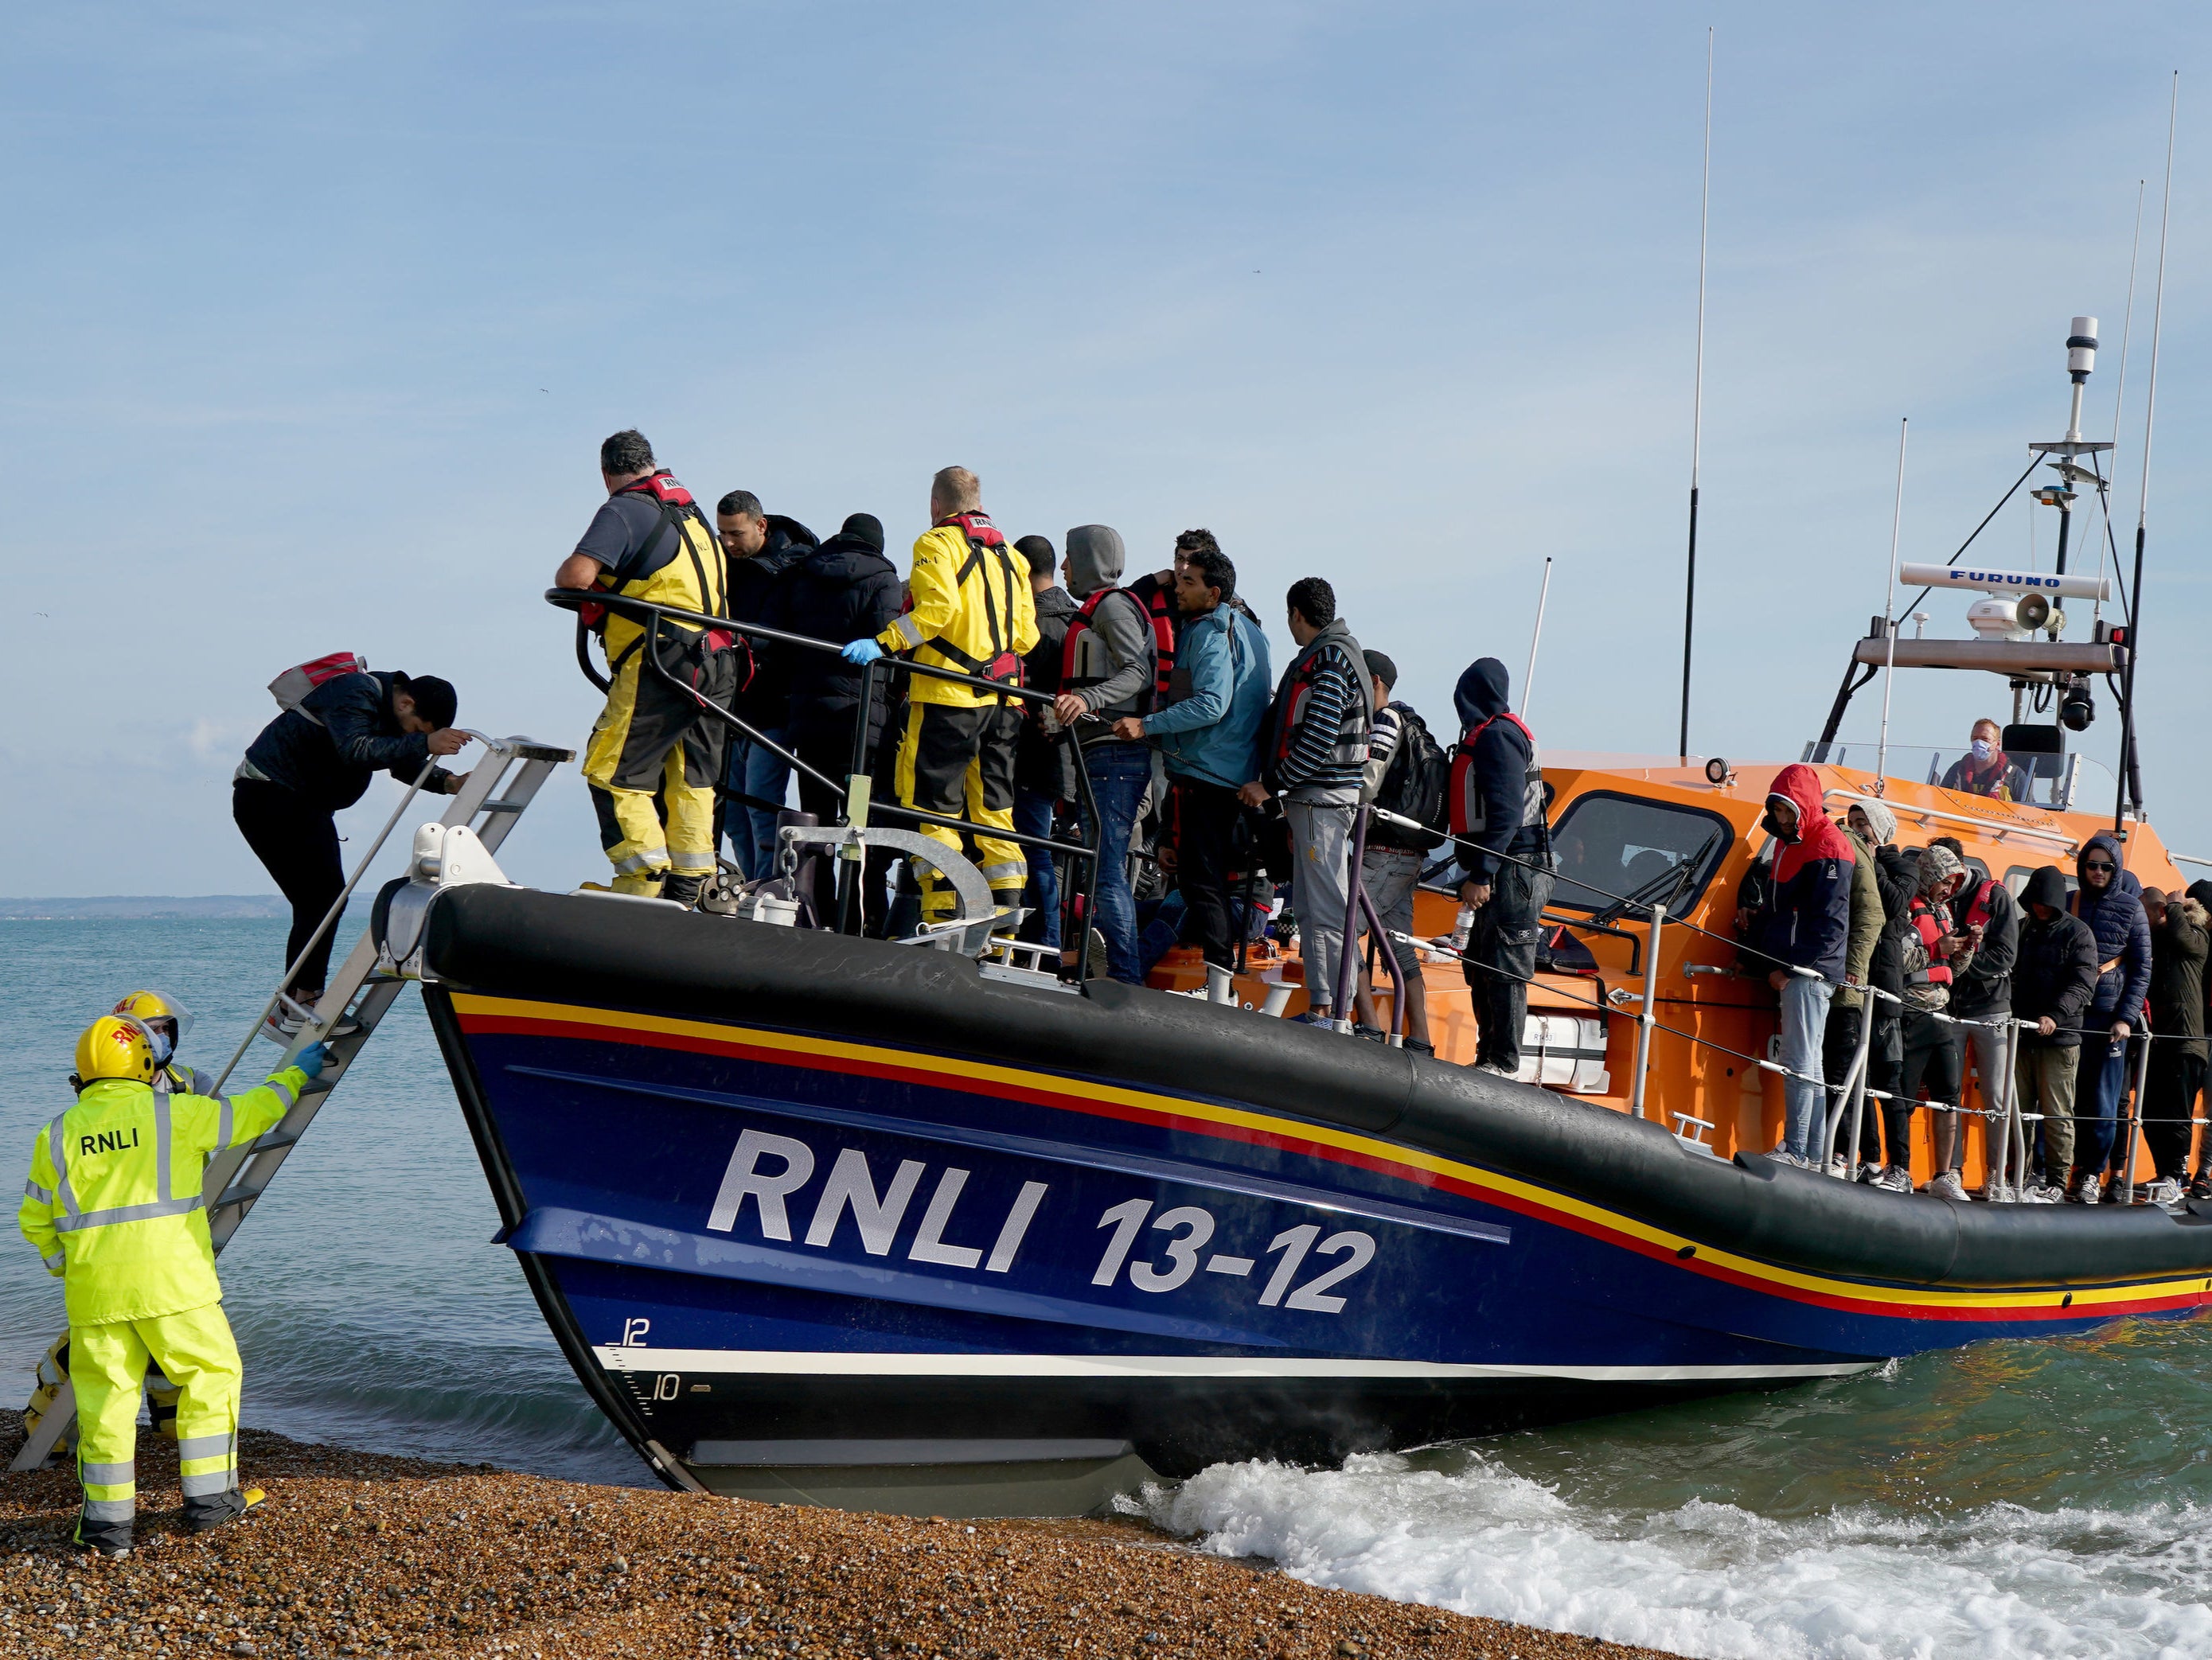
(2134, 1120)
(1650, 1011)
(1868, 1011)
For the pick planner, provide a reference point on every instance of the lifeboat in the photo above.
(934, 1225)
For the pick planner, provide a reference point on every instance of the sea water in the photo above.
(2012, 1499)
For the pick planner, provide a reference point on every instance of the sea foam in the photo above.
(1707, 1578)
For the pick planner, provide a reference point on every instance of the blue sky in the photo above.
(315, 318)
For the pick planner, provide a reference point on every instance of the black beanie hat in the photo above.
(867, 528)
(435, 700)
(1038, 551)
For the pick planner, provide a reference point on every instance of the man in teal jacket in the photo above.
(1210, 733)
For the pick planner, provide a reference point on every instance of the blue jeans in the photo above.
(1119, 775)
(2101, 1078)
(1804, 1023)
(762, 773)
(1033, 817)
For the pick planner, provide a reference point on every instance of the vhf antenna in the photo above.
(1696, 408)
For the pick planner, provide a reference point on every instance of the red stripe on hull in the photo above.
(477, 1025)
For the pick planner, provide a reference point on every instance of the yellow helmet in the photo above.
(114, 1046)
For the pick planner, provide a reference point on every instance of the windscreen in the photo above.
(1608, 847)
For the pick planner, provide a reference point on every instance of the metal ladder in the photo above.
(500, 786)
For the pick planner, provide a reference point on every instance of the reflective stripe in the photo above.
(286, 1091)
(108, 1475)
(110, 1510)
(56, 1262)
(1007, 870)
(223, 1121)
(57, 1153)
(909, 630)
(161, 1146)
(203, 1446)
(206, 1487)
(640, 864)
(129, 1213)
(44, 1195)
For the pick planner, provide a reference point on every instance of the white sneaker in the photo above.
(1895, 1179)
(2165, 1190)
(2044, 1193)
(1948, 1186)
(1495, 1070)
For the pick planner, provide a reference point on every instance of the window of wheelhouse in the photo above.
(1608, 845)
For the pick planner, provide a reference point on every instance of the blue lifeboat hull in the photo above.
(789, 1199)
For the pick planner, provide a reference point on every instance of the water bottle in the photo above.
(1462, 926)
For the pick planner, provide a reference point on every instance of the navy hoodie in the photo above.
(2122, 933)
(1489, 802)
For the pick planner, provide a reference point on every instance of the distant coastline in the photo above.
(135, 907)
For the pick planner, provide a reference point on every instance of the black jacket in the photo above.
(760, 592)
(1985, 986)
(1897, 875)
(348, 733)
(2178, 948)
(1042, 763)
(2055, 972)
(842, 591)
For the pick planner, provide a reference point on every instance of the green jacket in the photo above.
(114, 1200)
(1866, 921)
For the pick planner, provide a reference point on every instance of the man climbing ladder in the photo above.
(114, 1204)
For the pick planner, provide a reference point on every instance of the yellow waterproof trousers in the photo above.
(959, 762)
(108, 1364)
(655, 748)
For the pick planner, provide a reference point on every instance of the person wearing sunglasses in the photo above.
(2110, 900)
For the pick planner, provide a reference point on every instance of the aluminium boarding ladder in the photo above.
(489, 801)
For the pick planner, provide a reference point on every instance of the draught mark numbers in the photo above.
(1189, 1229)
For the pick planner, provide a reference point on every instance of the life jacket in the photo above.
(693, 582)
(1468, 816)
(1347, 754)
(998, 661)
(1978, 908)
(1928, 920)
(1084, 661)
(1158, 599)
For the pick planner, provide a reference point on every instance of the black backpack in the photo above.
(1413, 787)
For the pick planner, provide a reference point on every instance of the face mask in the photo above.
(158, 1040)
(1984, 749)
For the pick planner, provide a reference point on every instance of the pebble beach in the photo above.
(359, 1555)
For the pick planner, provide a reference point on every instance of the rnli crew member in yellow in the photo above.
(649, 540)
(165, 1020)
(113, 1206)
(969, 608)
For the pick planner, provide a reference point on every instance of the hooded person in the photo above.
(1106, 675)
(1873, 901)
(1495, 803)
(2175, 1078)
(1802, 938)
(1933, 954)
(1044, 768)
(2110, 900)
(2054, 976)
(837, 591)
(761, 551)
(1981, 994)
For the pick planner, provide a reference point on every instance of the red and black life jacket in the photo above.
(1156, 597)
(1003, 664)
(1075, 648)
(1977, 913)
(1930, 921)
(1355, 730)
(1466, 800)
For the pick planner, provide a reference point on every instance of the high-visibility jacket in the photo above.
(114, 1200)
(971, 610)
(690, 578)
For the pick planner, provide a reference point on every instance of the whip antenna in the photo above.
(2120, 391)
(2130, 778)
(1696, 408)
(1528, 679)
(1889, 611)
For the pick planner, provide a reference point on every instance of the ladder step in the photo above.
(233, 1200)
(502, 806)
(273, 1139)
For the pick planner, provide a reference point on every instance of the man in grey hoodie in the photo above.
(1106, 675)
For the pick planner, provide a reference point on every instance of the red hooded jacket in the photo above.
(1807, 921)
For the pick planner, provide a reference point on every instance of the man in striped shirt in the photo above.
(1316, 759)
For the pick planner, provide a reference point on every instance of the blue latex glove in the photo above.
(313, 1059)
(861, 652)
